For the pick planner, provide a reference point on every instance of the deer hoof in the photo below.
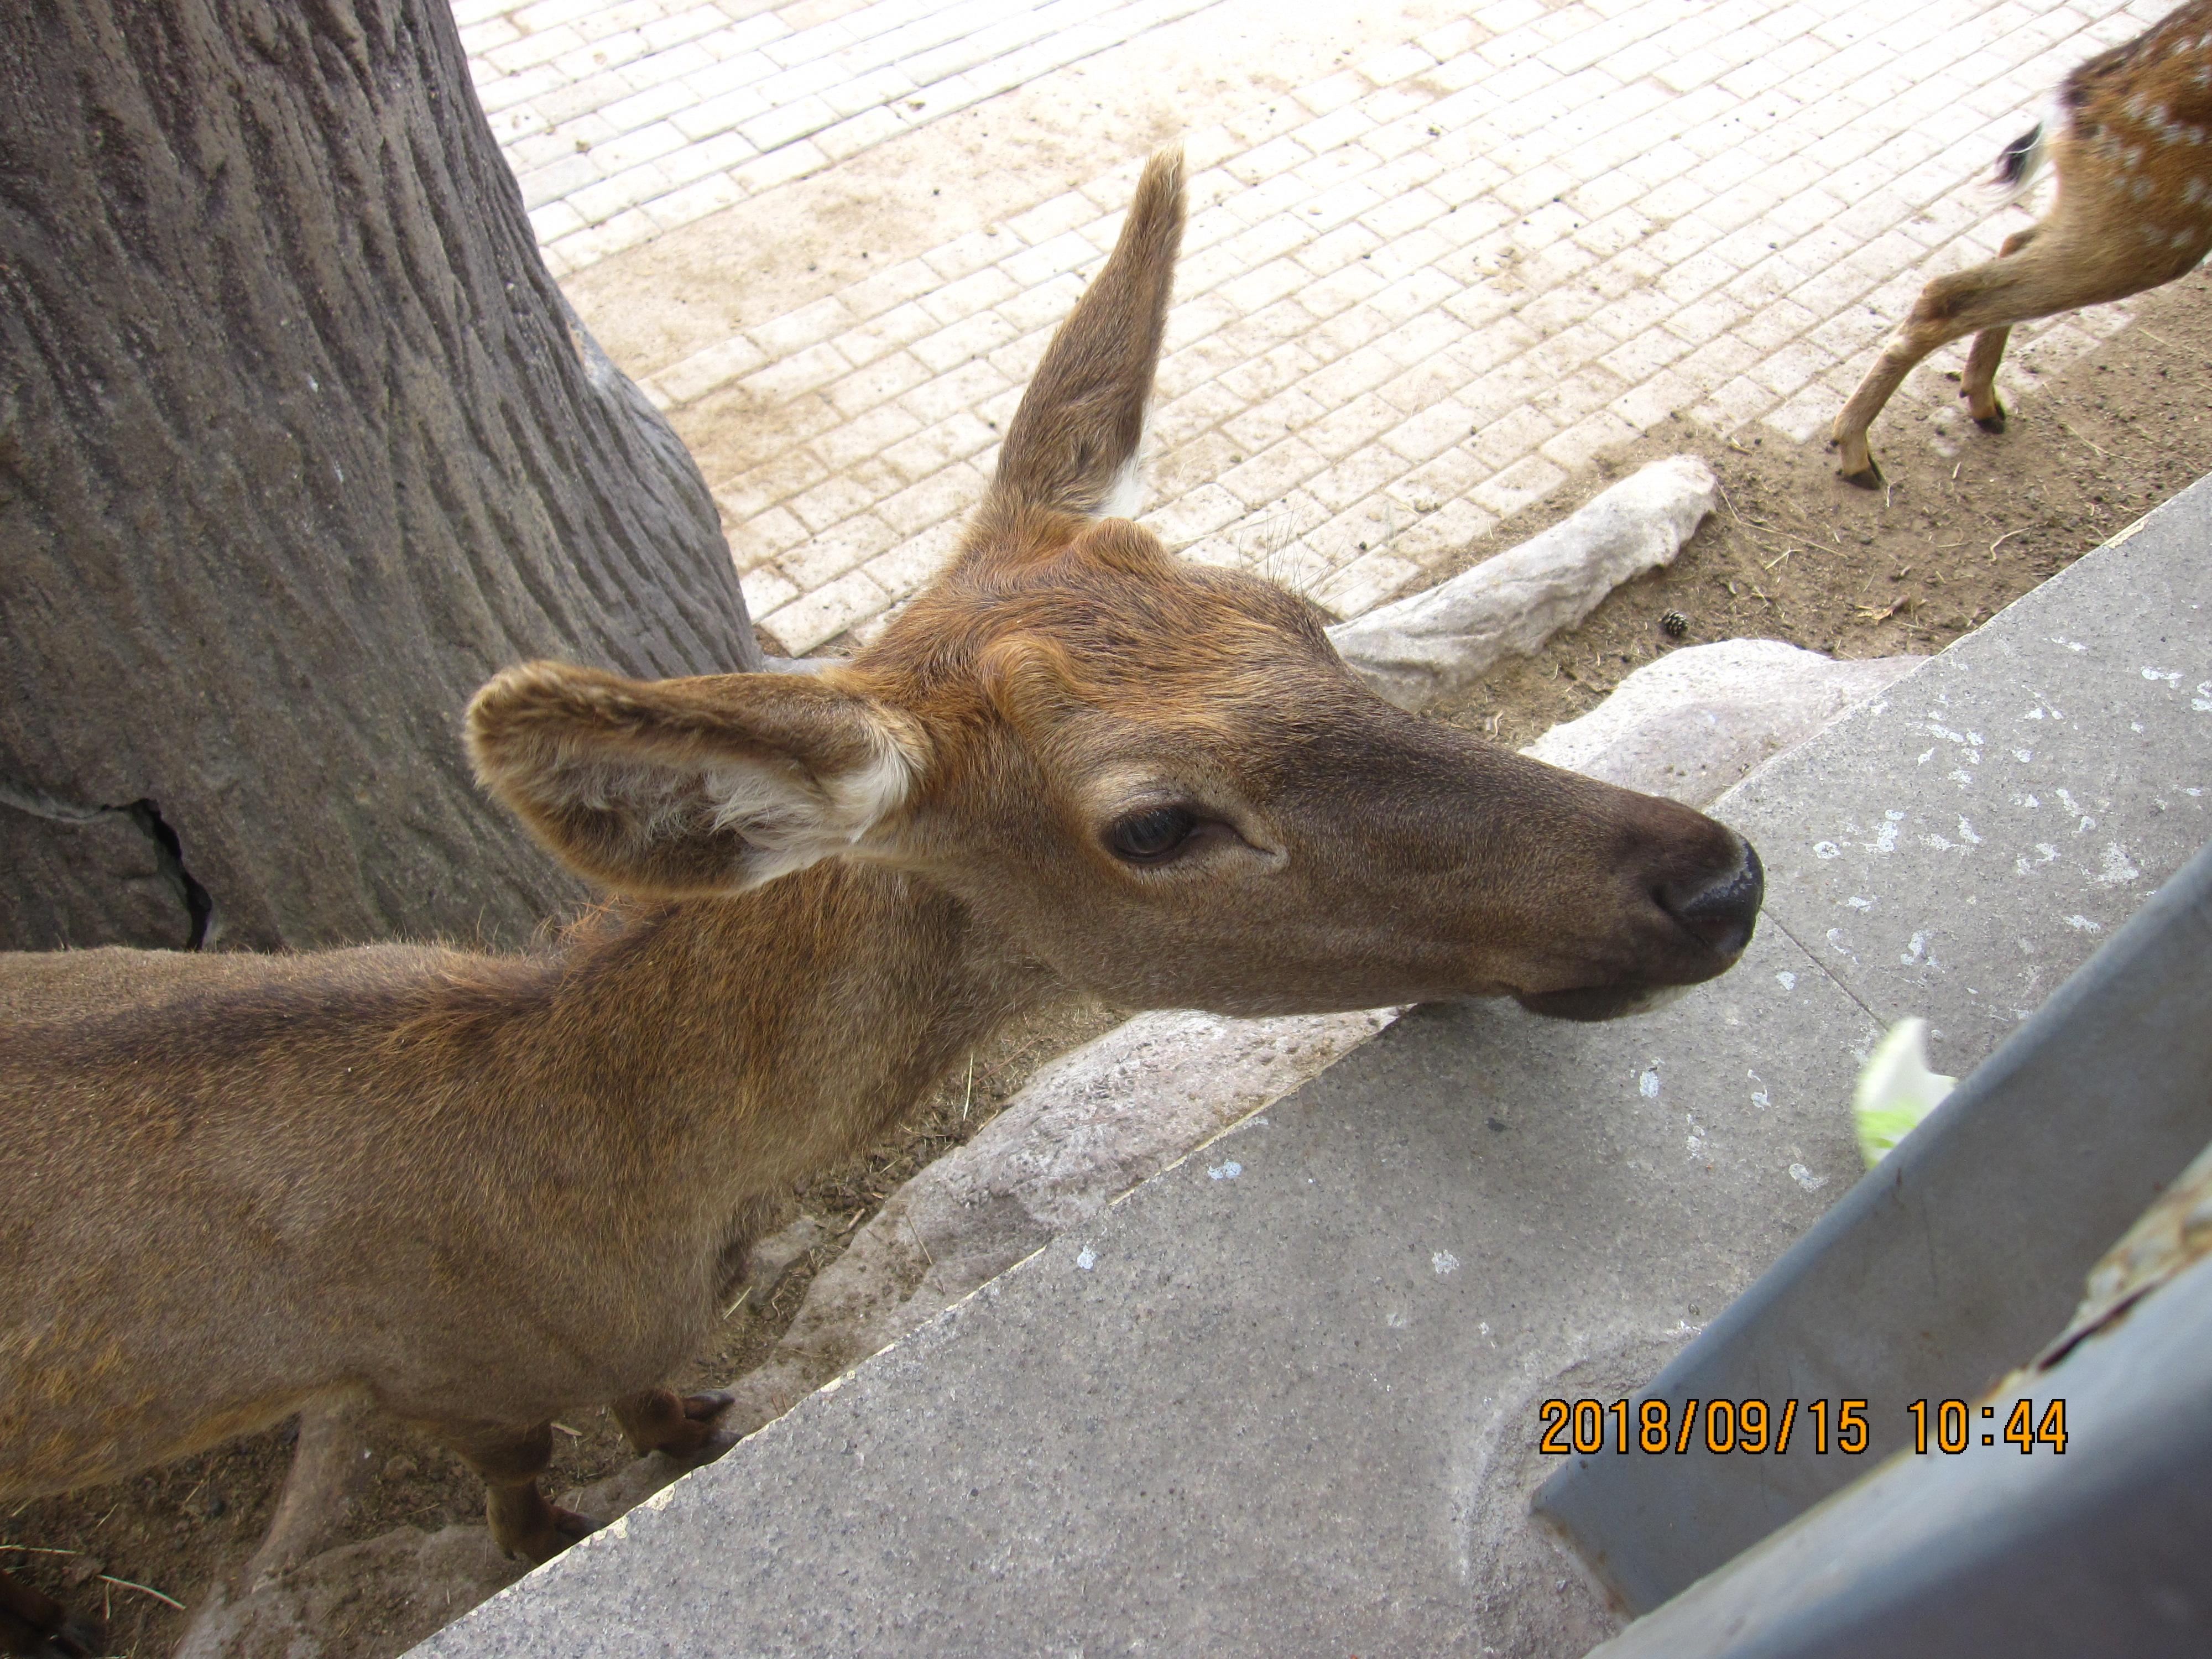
(572, 1526)
(1992, 423)
(694, 1432)
(1866, 477)
(561, 1528)
(708, 1404)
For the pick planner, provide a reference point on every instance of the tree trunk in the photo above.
(298, 443)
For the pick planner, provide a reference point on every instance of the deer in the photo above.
(2128, 135)
(477, 1191)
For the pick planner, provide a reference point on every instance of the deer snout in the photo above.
(1718, 910)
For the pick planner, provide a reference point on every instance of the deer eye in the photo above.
(1150, 836)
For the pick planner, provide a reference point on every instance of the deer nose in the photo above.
(1719, 913)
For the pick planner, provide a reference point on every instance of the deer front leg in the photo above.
(525, 1523)
(32, 1622)
(1903, 355)
(658, 1421)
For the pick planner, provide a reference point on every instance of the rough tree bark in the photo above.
(299, 442)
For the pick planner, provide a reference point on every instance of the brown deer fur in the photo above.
(2130, 138)
(479, 1191)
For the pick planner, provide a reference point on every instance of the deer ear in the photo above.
(1072, 446)
(673, 788)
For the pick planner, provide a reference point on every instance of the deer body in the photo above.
(2131, 139)
(479, 1190)
(424, 1176)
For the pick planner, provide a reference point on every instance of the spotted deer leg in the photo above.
(659, 1420)
(1946, 310)
(2060, 264)
(525, 1523)
(1979, 386)
(33, 1623)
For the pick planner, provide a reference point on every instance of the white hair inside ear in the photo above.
(791, 819)
(1125, 496)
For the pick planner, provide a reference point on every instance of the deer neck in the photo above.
(768, 1034)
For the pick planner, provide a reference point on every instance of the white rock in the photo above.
(1691, 724)
(1420, 650)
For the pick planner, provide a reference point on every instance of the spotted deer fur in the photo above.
(2130, 136)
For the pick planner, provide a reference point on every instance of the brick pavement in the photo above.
(625, 119)
(1417, 292)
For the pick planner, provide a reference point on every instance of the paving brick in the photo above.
(1528, 479)
(913, 563)
(769, 484)
(701, 372)
(552, 183)
(862, 436)
(1494, 395)
(829, 553)
(693, 201)
(1735, 404)
(792, 161)
(973, 295)
(965, 386)
(1058, 256)
(1357, 424)
(1508, 437)
(1646, 354)
(893, 285)
(1259, 378)
(1287, 412)
(1357, 478)
(1441, 480)
(1363, 583)
(946, 494)
(1593, 433)
(786, 378)
(953, 438)
(860, 131)
(1195, 512)
(807, 621)
(595, 242)
(757, 537)
(1425, 383)
(1429, 433)
(971, 337)
(710, 116)
(1273, 473)
(765, 589)
(1807, 415)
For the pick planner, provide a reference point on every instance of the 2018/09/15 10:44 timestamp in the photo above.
(1658, 1426)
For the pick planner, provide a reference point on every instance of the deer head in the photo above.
(1156, 778)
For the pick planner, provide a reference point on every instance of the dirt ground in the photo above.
(1968, 523)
